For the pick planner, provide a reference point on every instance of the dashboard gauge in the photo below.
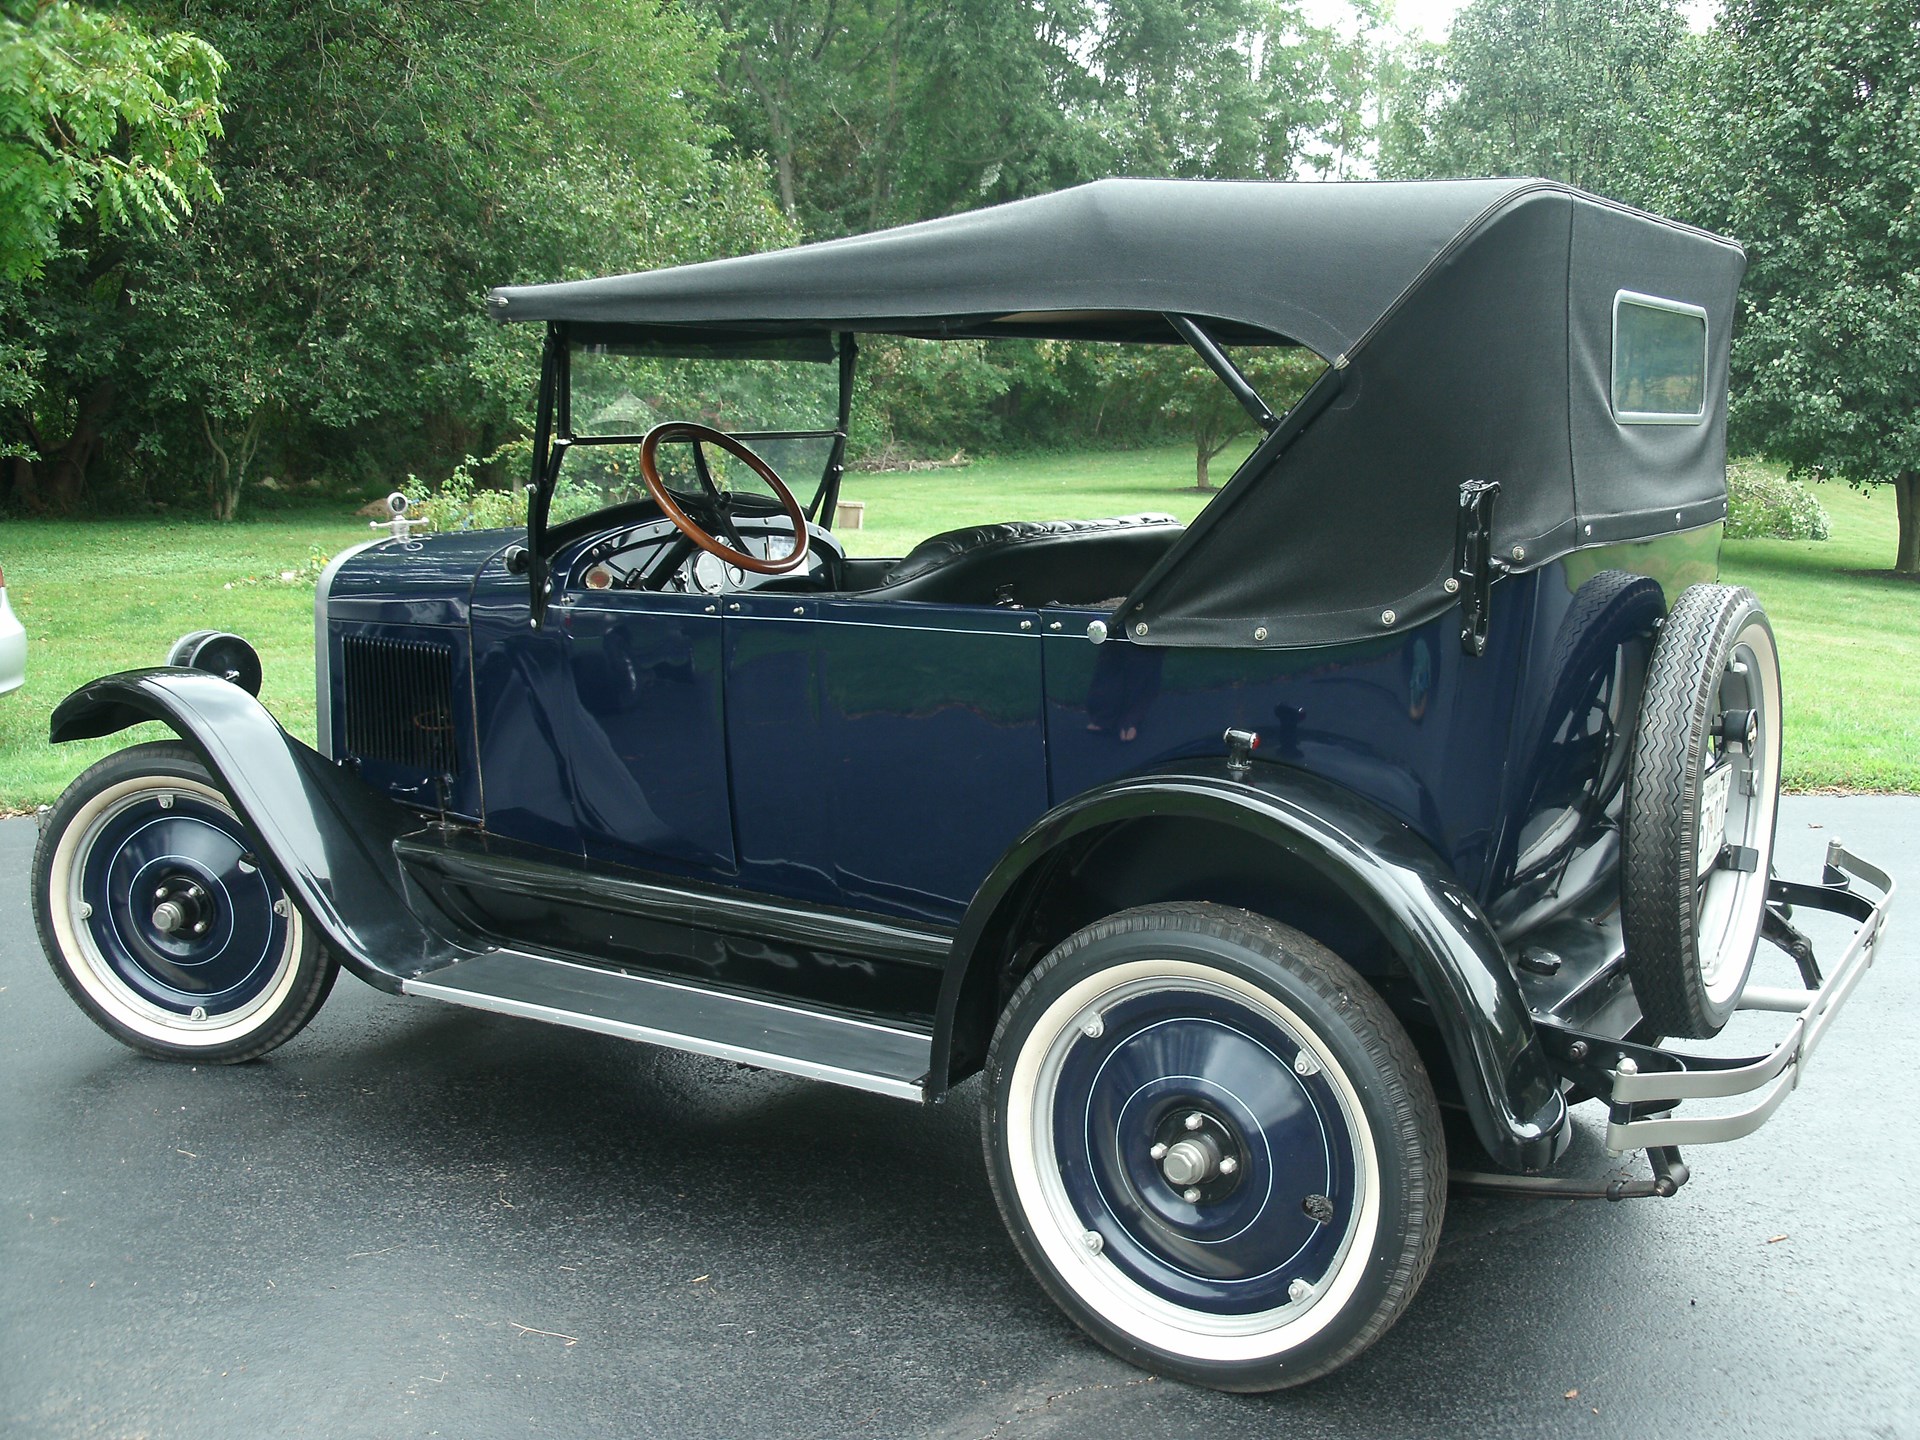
(712, 575)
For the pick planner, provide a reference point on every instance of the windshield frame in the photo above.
(554, 436)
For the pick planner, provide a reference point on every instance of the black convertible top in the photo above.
(1469, 326)
(1316, 264)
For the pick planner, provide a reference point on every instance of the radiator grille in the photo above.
(399, 697)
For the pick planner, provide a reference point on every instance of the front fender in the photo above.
(1392, 876)
(327, 838)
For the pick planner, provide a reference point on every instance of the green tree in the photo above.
(1177, 384)
(1246, 89)
(383, 166)
(1573, 90)
(97, 114)
(1807, 149)
(104, 130)
(876, 112)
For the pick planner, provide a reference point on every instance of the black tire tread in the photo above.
(1657, 887)
(1415, 1113)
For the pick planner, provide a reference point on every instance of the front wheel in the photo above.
(1214, 1145)
(159, 919)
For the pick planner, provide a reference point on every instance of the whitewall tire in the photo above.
(160, 919)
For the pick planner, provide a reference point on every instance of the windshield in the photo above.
(780, 397)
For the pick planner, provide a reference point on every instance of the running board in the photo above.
(762, 1033)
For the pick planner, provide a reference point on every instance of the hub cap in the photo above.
(1218, 1222)
(179, 932)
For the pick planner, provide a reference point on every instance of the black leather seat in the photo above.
(1031, 562)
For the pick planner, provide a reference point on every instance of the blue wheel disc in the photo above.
(1249, 1239)
(227, 948)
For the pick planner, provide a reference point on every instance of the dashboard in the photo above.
(654, 555)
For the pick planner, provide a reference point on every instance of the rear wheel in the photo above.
(1703, 790)
(160, 921)
(1214, 1145)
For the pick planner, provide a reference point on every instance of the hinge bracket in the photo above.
(1473, 562)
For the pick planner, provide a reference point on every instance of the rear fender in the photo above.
(327, 838)
(1391, 878)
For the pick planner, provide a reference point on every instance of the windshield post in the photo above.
(555, 411)
(827, 501)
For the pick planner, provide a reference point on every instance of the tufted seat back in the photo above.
(1031, 562)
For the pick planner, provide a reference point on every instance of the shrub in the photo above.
(1763, 504)
(463, 501)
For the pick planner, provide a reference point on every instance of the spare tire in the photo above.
(1703, 790)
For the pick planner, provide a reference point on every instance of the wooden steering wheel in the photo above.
(736, 553)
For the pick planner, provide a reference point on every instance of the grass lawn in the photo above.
(1849, 633)
(98, 596)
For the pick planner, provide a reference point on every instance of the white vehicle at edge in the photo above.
(13, 645)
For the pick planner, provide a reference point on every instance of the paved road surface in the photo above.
(415, 1220)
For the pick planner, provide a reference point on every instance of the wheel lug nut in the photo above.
(1091, 1239)
(201, 928)
(1191, 1195)
(1229, 1165)
(1158, 1152)
(1195, 1120)
(161, 893)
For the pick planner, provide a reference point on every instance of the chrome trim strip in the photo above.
(1773, 1076)
(322, 680)
(693, 1044)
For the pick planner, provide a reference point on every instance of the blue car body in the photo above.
(828, 823)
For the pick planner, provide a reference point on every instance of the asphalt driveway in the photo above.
(415, 1220)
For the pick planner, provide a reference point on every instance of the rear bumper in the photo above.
(1644, 1086)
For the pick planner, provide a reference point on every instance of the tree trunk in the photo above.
(65, 472)
(1210, 437)
(1906, 495)
(222, 467)
(230, 469)
(773, 100)
(783, 171)
(24, 491)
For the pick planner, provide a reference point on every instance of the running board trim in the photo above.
(762, 1033)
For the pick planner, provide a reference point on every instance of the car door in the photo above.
(646, 749)
(883, 754)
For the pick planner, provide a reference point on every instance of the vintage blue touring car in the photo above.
(1428, 771)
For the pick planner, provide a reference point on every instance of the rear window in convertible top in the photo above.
(1659, 360)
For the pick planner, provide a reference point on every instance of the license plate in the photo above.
(1716, 793)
